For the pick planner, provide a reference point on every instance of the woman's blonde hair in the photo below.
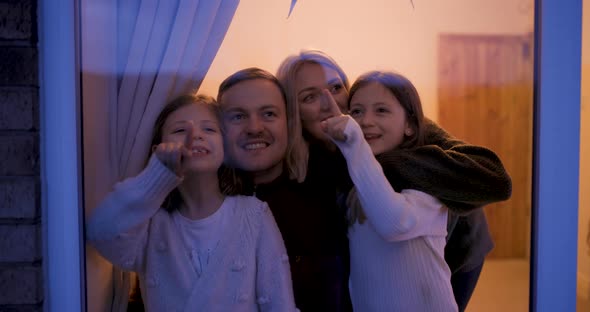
(407, 95)
(296, 154)
(287, 74)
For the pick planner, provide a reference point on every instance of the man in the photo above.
(263, 142)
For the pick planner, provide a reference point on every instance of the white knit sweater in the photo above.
(249, 270)
(397, 254)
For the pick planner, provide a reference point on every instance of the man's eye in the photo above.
(269, 114)
(211, 130)
(179, 130)
(237, 117)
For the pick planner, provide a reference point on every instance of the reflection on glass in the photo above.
(471, 62)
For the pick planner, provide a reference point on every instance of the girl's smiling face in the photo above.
(207, 142)
(381, 117)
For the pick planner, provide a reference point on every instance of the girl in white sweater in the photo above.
(194, 247)
(397, 238)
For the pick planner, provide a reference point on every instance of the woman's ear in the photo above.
(409, 131)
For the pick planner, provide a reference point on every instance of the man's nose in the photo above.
(254, 125)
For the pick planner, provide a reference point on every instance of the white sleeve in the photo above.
(118, 226)
(395, 216)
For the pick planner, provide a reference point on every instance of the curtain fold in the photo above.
(136, 55)
(223, 17)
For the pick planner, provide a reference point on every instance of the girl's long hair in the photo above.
(286, 75)
(407, 95)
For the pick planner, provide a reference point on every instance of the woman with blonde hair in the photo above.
(462, 176)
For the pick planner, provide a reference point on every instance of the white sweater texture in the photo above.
(397, 254)
(248, 270)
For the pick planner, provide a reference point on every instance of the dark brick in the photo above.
(19, 154)
(20, 243)
(18, 66)
(21, 285)
(19, 197)
(19, 108)
(16, 20)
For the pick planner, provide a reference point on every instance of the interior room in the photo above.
(472, 62)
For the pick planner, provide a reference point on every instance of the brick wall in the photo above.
(21, 272)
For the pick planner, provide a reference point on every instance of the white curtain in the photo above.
(135, 55)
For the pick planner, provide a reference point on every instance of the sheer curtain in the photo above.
(135, 55)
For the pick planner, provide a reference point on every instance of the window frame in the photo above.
(557, 77)
(61, 156)
(558, 28)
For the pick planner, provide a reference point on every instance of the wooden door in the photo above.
(485, 98)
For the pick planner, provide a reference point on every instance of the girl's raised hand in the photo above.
(172, 154)
(334, 126)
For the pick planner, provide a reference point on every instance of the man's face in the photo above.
(255, 122)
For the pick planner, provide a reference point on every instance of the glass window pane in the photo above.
(472, 63)
(470, 60)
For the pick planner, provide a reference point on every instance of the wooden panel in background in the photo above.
(485, 98)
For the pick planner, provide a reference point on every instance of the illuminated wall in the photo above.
(362, 35)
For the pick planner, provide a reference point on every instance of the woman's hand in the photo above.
(172, 154)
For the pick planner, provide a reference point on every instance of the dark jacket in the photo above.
(464, 177)
(314, 230)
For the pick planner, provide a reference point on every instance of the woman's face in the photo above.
(310, 80)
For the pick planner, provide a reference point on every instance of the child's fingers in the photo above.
(334, 127)
(333, 106)
(336, 123)
(190, 131)
(170, 155)
(173, 154)
(185, 152)
(186, 149)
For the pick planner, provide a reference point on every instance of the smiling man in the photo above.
(255, 121)
(263, 141)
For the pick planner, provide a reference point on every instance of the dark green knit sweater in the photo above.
(463, 176)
